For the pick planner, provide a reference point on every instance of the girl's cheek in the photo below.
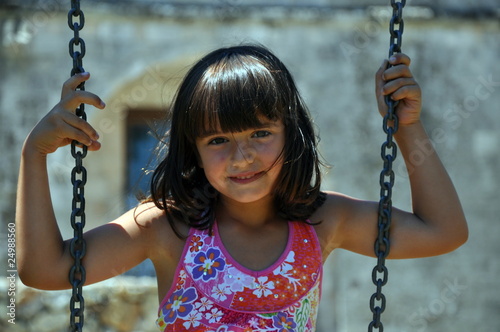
(221, 156)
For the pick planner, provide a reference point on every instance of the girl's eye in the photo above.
(217, 141)
(261, 133)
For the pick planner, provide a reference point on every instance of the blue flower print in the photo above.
(207, 264)
(284, 323)
(179, 305)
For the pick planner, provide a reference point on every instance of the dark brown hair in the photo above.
(232, 87)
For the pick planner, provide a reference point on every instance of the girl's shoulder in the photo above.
(151, 224)
(154, 219)
(330, 217)
(334, 207)
(148, 215)
(160, 242)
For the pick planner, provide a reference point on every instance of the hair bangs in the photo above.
(232, 95)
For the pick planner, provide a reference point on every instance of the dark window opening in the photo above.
(141, 141)
(140, 144)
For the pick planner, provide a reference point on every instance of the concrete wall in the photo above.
(135, 61)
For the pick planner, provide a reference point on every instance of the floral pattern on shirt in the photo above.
(212, 292)
(207, 264)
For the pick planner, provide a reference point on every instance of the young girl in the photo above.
(236, 226)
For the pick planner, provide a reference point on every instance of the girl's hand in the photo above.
(61, 125)
(398, 81)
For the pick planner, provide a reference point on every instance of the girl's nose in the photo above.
(243, 154)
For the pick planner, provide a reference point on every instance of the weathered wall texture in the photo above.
(136, 60)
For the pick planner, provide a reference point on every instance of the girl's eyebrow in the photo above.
(212, 132)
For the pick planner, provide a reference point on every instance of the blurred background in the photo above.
(137, 51)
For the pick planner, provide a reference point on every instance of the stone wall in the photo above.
(116, 305)
(333, 56)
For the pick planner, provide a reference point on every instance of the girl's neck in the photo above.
(252, 215)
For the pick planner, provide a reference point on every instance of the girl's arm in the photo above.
(43, 257)
(437, 223)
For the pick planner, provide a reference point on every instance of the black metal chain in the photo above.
(388, 152)
(76, 21)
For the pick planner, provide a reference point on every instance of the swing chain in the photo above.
(380, 273)
(76, 21)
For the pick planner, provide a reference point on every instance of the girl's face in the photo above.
(243, 166)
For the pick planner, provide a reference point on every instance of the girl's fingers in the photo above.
(73, 82)
(68, 131)
(72, 98)
(409, 92)
(75, 128)
(88, 133)
(399, 59)
(61, 126)
(396, 72)
(73, 133)
(395, 78)
(394, 85)
(75, 98)
(400, 68)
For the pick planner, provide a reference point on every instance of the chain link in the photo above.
(380, 274)
(76, 21)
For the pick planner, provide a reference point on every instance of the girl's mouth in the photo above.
(243, 179)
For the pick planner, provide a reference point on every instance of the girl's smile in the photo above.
(243, 166)
(243, 179)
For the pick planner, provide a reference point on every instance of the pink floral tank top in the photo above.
(212, 292)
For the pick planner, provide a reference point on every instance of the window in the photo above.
(141, 140)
